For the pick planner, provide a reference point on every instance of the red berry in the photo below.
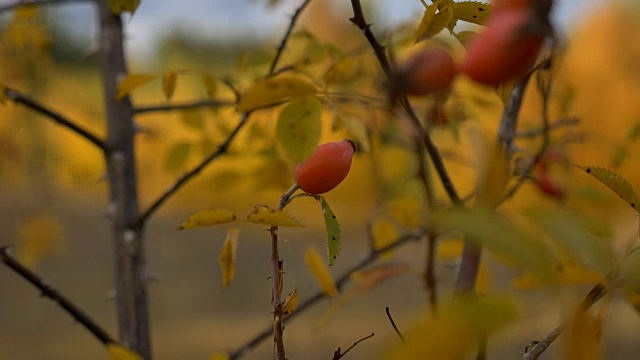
(326, 167)
(504, 51)
(548, 185)
(428, 71)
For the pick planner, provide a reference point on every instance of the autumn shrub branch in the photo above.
(47, 291)
(341, 281)
(62, 120)
(223, 147)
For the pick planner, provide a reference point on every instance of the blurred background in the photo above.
(53, 197)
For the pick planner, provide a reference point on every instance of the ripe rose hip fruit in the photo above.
(326, 167)
(428, 71)
(504, 51)
(499, 6)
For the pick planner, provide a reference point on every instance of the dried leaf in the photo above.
(117, 352)
(616, 182)
(320, 272)
(228, 256)
(208, 218)
(131, 82)
(374, 276)
(274, 90)
(471, 11)
(265, 215)
(119, 6)
(169, 80)
(290, 302)
(299, 127)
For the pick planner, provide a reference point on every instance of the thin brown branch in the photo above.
(287, 35)
(393, 323)
(62, 120)
(22, 3)
(211, 104)
(510, 115)
(594, 295)
(96, 330)
(319, 295)
(337, 355)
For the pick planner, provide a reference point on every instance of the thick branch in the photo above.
(22, 3)
(594, 295)
(34, 105)
(47, 291)
(319, 295)
(212, 103)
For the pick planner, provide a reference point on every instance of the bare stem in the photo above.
(287, 35)
(337, 355)
(393, 323)
(47, 291)
(319, 295)
(211, 104)
(62, 120)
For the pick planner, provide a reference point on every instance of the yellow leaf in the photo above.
(208, 218)
(219, 356)
(119, 6)
(464, 37)
(228, 256)
(568, 274)
(290, 302)
(384, 233)
(449, 249)
(346, 70)
(265, 215)
(471, 11)
(320, 272)
(484, 280)
(39, 236)
(494, 171)
(130, 82)
(616, 183)
(299, 127)
(209, 84)
(583, 337)
(274, 90)
(3, 95)
(117, 352)
(406, 211)
(427, 20)
(504, 91)
(169, 80)
(372, 277)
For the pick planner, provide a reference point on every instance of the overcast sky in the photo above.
(243, 18)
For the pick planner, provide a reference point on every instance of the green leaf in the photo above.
(334, 233)
(299, 127)
(208, 218)
(273, 90)
(499, 235)
(176, 156)
(117, 7)
(616, 182)
(471, 11)
(169, 81)
(573, 235)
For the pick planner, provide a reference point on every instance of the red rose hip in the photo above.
(428, 71)
(326, 167)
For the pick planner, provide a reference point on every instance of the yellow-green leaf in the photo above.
(209, 84)
(441, 20)
(501, 236)
(334, 233)
(119, 6)
(39, 236)
(131, 82)
(169, 80)
(219, 356)
(320, 272)
(464, 37)
(177, 156)
(346, 70)
(471, 11)
(273, 90)
(616, 182)
(117, 352)
(265, 215)
(228, 256)
(208, 218)
(572, 234)
(494, 171)
(193, 118)
(290, 302)
(299, 127)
